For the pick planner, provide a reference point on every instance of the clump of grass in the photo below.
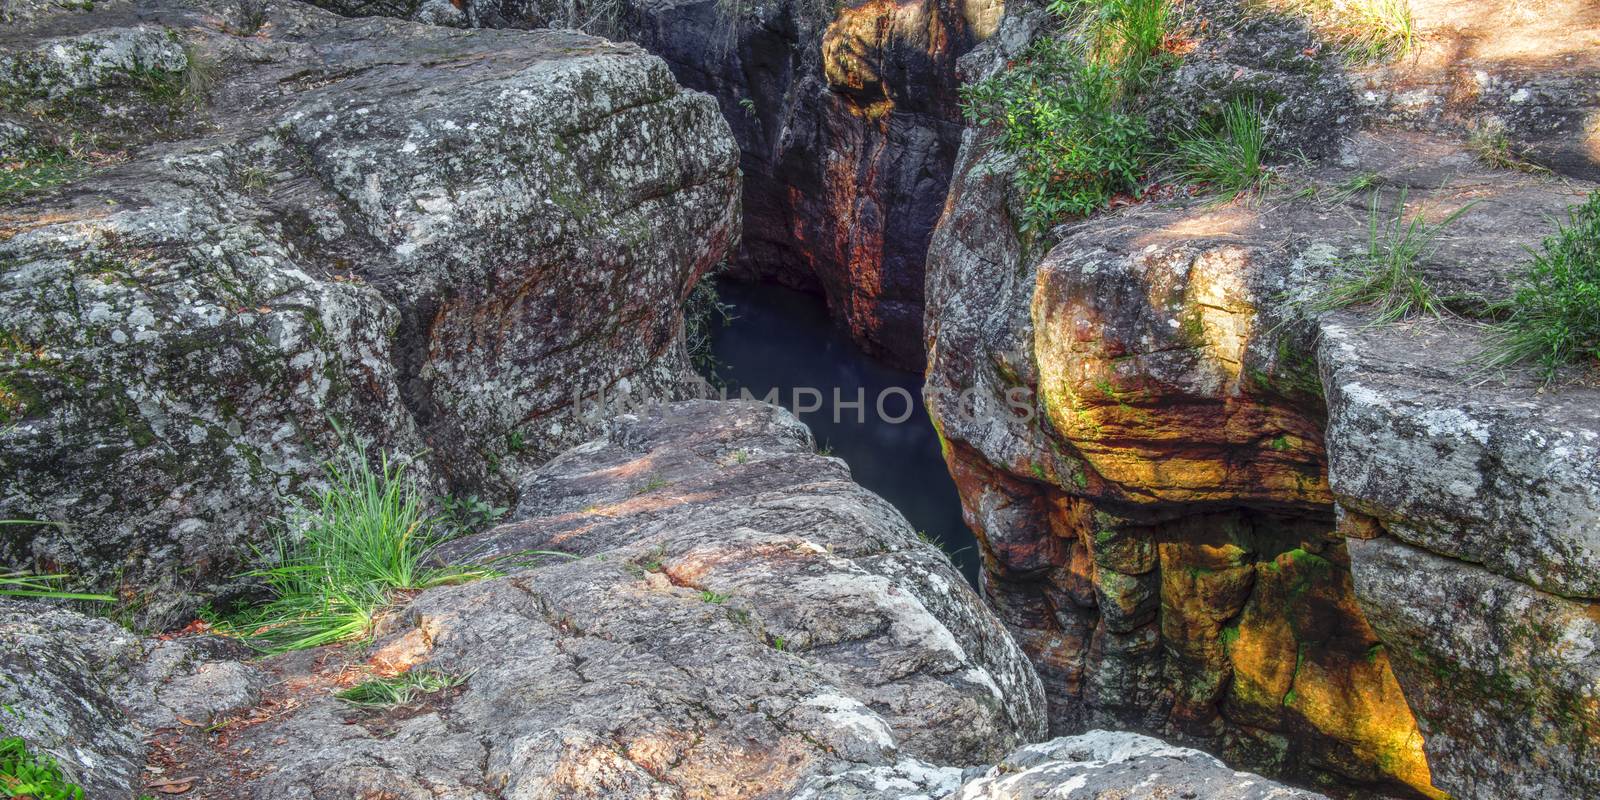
(35, 776)
(1388, 276)
(399, 690)
(1379, 30)
(369, 537)
(1554, 317)
(1492, 147)
(1366, 31)
(1070, 108)
(1227, 157)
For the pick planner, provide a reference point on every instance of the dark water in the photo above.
(783, 339)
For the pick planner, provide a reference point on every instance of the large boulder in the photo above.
(734, 617)
(318, 230)
(1089, 766)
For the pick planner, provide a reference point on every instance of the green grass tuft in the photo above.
(36, 776)
(369, 538)
(399, 690)
(1227, 158)
(1554, 317)
(1388, 276)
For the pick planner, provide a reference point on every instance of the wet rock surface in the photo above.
(423, 238)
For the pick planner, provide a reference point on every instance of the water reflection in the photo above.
(783, 339)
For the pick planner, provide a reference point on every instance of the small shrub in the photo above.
(33, 776)
(1227, 158)
(399, 690)
(1070, 108)
(1554, 317)
(369, 537)
(703, 313)
(1492, 147)
(1388, 276)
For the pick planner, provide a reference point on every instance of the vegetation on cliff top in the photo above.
(1554, 317)
(1074, 110)
(1070, 109)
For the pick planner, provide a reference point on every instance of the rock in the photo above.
(327, 230)
(736, 618)
(1196, 425)
(1474, 651)
(86, 692)
(848, 120)
(1112, 764)
(1499, 70)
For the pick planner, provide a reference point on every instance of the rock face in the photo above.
(323, 229)
(1317, 547)
(847, 118)
(736, 617)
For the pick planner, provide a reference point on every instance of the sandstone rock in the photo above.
(86, 692)
(739, 617)
(414, 236)
(1476, 651)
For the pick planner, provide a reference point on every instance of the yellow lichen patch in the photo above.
(1303, 658)
(1355, 699)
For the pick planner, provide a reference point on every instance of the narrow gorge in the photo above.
(370, 418)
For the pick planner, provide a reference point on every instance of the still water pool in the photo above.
(783, 339)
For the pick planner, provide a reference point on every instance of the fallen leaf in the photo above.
(173, 785)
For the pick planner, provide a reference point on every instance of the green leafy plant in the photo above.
(32, 776)
(1389, 275)
(470, 514)
(714, 598)
(1227, 157)
(399, 690)
(368, 538)
(1070, 108)
(1553, 319)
